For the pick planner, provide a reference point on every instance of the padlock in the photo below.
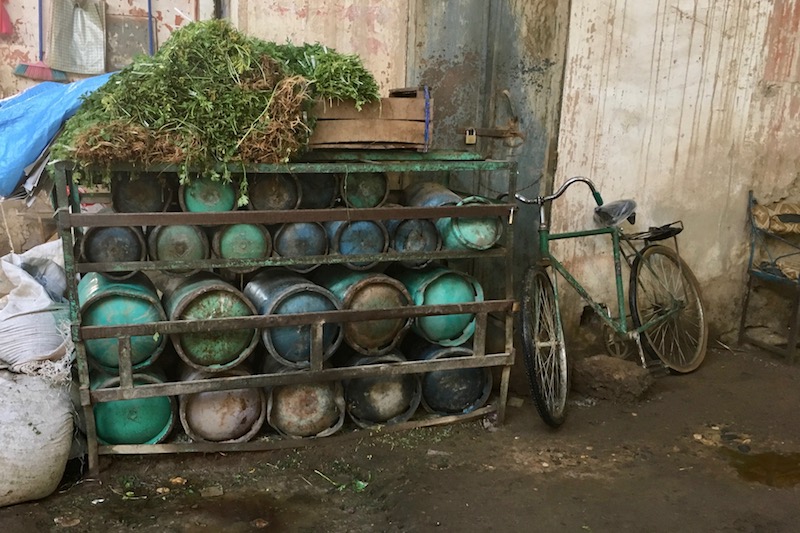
(471, 136)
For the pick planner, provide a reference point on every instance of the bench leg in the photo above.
(794, 326)
(745, 303)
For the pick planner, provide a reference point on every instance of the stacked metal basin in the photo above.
(205, 296)
(299, 408)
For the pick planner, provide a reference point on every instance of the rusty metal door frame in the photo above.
(495, 65)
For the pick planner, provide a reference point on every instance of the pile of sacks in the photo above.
(37, 418)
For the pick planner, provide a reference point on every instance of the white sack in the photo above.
(34, 324)
(35, 436)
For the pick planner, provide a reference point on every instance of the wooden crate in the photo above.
(404, 120)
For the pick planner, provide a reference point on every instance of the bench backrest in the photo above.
(775, 238)
(781, 218)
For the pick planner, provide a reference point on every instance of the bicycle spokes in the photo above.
(548, 345)
(668, 310)
(543, 347)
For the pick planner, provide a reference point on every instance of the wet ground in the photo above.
(716, 450)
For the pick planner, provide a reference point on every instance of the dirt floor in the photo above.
(716, 450)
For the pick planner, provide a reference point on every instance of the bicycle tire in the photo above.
(543, 347)
(659, 277)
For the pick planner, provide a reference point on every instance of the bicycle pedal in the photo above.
(656, 368)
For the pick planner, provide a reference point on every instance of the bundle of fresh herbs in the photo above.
(211, 95)
(333, 76)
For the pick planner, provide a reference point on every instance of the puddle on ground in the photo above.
(244, 513)
(771, 468)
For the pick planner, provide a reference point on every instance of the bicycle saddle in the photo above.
(613, 213)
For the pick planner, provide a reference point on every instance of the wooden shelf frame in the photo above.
(72, 222)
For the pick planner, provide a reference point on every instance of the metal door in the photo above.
(495, 65)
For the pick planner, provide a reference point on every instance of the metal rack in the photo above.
(495, 311)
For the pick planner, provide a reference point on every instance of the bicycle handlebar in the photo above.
(541, 200)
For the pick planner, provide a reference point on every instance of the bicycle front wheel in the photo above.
(543, 347)
(662, 284)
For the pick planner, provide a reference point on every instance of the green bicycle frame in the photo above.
(618, 324)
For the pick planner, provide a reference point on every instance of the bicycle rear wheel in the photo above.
(661, 283)
(543, 347)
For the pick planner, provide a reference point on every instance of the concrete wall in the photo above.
(682, 105)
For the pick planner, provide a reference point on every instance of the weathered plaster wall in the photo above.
(683, 105)
(377, 30)
(23, 45)
(23, 227)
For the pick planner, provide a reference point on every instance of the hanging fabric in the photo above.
(6, 26)
(78, 37)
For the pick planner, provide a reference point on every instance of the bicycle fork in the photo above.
(654, 366)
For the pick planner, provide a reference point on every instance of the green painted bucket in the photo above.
(300, 239)
(306, 409)
(465, 233)
(357, 237)
(441, 286)
(457, 233)
(318, 190)
(107, 302)
(268, 192)
(142, 192)
(205, 296)
(178, 243)
(381, 400)
(363, 291)
(204, 194)
(233, 415)
(114, 244)
(364, 189)
(429, 194)
(447, 392)
(136, 421)
(276, 291)
(413, 235)
(241, 241)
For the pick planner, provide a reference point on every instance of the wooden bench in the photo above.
(774, 260)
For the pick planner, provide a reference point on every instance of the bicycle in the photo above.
(666, 309)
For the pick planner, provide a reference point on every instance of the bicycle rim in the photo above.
(660, 283)
(543, 347)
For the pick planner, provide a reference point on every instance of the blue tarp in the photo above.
(30, 120)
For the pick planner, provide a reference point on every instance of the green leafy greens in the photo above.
(211, 95)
